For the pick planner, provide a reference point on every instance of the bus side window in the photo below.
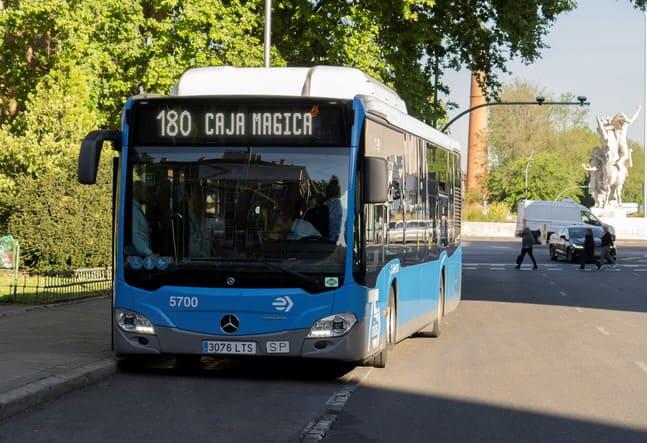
(411, 199)
(432, 204)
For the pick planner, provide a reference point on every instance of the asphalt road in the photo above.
(554, 354)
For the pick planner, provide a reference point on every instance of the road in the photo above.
(554, 354)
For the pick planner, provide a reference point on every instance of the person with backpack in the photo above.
(607, 243)
(527, 241)
(589, 250)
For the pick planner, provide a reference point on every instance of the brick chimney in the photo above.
(477, 152)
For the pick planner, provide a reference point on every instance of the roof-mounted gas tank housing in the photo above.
(318, 81)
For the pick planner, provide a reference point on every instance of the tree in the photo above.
(548, 176)
(514, 132)
(632, 192)
(409, 43)
(62, 225)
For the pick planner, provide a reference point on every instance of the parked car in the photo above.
(554, 215)
(568, 243)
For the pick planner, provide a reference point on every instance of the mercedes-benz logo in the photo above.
(229, 323)
(231, 281)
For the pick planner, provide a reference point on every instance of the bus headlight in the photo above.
(133, 322)
(333, 326)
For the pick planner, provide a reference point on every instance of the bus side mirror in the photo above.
(91, 152)
(375, 180)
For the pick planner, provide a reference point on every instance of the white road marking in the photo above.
(642, 366)
(317, 428)
(602, 330)
(640, 270)
(563, 293)
(554, 269)
(578, 309)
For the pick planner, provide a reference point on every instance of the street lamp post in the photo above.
(525, 192)
(539, 101)
(645, 128)
(268, 31)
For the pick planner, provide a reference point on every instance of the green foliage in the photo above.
(409, 43)
(62, 225)
(632, 192)
(515, 132)
(548, 176)
(496, 213)
(541, 132)
(49, 131)
(474, 196)
(194, 33)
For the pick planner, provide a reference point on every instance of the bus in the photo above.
(279, 212)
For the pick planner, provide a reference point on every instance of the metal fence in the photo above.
(59, 286)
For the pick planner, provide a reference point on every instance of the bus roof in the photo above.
(317, 81)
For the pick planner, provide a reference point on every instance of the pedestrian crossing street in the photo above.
(557, 267)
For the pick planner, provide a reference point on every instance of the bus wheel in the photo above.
(380, 359)
(435, 329)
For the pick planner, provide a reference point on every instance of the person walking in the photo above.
(589, 250)
(607, 242)
(527, 241)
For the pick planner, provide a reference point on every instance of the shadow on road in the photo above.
(240, 368)
(392, 415)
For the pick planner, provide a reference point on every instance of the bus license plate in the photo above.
(229, 347)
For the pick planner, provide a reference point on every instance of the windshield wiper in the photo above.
(271, 265)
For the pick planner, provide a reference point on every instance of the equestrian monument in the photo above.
(610, 161)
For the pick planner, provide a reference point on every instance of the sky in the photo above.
(596, 50)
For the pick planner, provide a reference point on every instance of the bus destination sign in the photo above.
(241, 122)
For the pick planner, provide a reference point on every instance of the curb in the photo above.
(30, 308)
(317, 429)
(17, 400)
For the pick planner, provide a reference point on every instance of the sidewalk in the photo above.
(45, 350)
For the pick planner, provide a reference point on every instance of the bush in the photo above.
(474, 196)
(60, 224)
(496, 212)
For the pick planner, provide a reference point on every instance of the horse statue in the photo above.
(611, 163)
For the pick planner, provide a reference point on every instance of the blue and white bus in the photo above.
(288, 212)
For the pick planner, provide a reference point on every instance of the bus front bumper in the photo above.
(352, 346)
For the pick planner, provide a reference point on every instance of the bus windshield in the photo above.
(237, 216)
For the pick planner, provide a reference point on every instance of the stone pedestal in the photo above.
(628, 228)
(610, 212)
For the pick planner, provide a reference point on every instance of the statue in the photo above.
(597, 179)
(610, 164)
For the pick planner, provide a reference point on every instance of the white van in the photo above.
(554, 215)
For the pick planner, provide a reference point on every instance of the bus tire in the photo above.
(435, 328)
(380, 359)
